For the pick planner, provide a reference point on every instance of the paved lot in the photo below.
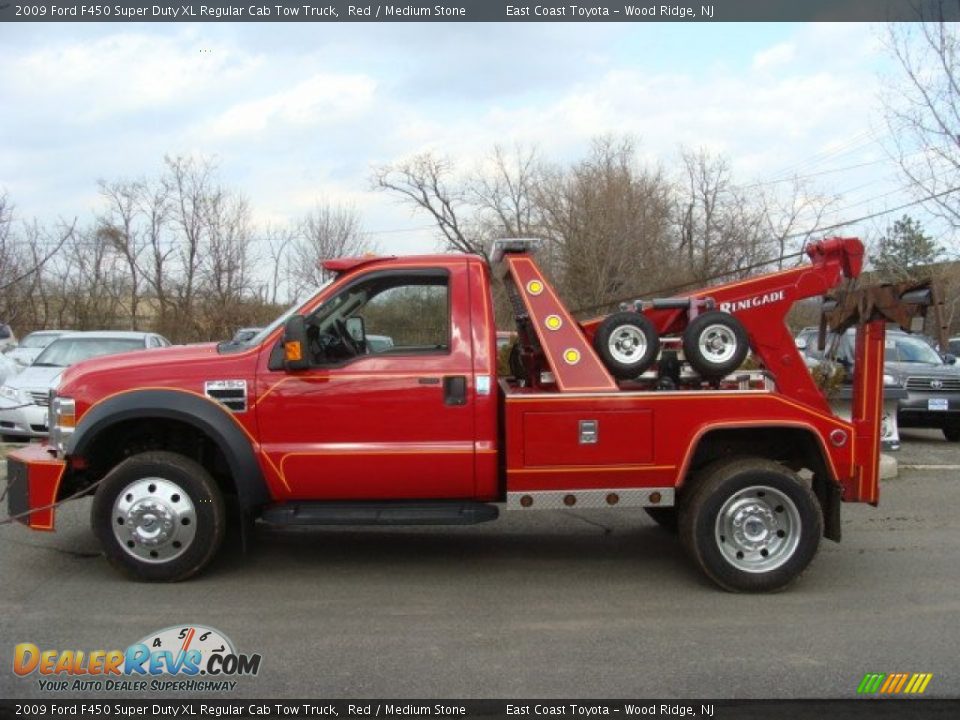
(585, 605)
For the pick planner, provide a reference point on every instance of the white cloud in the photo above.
(298, 115)
(775, 56)
(322, 99)
(124, 73)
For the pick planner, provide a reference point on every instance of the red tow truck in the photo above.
(306, 423)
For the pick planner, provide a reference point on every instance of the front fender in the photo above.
(207, 416)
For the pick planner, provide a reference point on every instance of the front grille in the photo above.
(40, 397)
(924, 383)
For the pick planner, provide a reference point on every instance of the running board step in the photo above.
(362, 513)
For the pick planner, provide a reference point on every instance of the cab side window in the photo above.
(408, 318)
(388, 314)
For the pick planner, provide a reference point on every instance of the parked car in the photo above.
(24, 397)
(32, 345)
(8, 340)
(378, 343)
(932, 382)
(244, 334)
(953, 346)
(8, 368)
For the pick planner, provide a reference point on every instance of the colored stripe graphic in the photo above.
(871, 683)
(894, 683)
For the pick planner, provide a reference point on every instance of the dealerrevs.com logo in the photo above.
(183, 657)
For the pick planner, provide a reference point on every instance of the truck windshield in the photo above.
(910, 350)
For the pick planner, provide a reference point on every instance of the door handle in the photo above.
(428, 381)
(455, 390)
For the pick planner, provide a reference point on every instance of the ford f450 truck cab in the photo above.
(307, 423)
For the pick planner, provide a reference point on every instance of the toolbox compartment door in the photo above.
(587, 437)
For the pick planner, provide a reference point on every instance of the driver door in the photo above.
(386, 418)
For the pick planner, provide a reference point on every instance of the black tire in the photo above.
(773, 501)
(732, 344)
(665, 517)
(149, 492)
(628, 344)
(952, 432)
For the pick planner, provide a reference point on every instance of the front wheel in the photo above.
(159, 516)
(751, 525)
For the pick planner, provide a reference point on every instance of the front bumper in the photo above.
(33, 481)
(915, 410)
(25, 421)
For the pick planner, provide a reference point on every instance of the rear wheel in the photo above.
(628, 343)
(159, 516)
(952, 432)
(751, 525)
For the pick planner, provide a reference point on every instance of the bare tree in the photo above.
(328, 231)
(190, 185)
(118, 227)
(505, 195)
(923, 109)
(606, 221)
(721, 228)
(279, 241)
(427, 183)
(794, 217)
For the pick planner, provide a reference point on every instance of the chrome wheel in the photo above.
(717, 343)
(154, 520)
(627, 344)
(758, 529)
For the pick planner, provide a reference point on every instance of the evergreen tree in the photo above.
(904, 249)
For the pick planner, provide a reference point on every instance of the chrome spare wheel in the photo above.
(758, 529)
(717, 343)
(154, 520)
(627, 344)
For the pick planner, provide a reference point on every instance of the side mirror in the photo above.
(950, 358)
(295, 344)
(356, 329)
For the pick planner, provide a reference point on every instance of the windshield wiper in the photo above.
(36, 364)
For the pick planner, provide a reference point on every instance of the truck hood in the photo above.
(152, 360)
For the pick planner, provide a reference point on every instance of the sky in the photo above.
(300, 114)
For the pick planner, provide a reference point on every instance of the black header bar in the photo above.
(161, 709)
(474, 11)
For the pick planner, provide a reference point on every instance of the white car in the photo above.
(32, 345)
(24, 397)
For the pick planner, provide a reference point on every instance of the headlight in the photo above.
(10, 393)
(63, 419)
(891, 380)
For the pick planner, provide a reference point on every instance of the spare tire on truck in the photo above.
(628, 344)
(715, 344)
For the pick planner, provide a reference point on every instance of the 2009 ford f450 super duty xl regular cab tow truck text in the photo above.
(308, 423)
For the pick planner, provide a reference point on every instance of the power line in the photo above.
(811, 175)
(845, 148)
